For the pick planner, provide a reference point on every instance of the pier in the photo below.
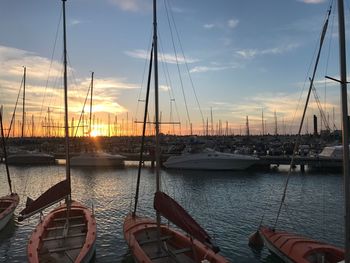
(264, 161)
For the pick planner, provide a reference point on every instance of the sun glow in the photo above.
(95, 133)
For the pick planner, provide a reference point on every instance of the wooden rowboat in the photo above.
(292, 248)
(8, 205)
(59, 238)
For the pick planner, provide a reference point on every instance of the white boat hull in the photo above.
(8, 205)
(30, 159)
(97, 160)
(210, 161)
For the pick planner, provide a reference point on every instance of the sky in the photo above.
(219, 61)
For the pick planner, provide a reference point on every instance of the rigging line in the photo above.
(319, 105)
(167, 74)
(82, 111)
(14, 110)
(144, 129)
(187, 67)
(56, 86)
(177, 64)
(324, 30)
(308, 71)
(48, 75)
(327, 61)
(72, 78)
(327, 64)
(168, 81)
(143, 75)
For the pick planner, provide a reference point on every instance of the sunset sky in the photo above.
(242, 57)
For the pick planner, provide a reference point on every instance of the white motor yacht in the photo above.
(209, 159)
(97, 159)
(30, 158)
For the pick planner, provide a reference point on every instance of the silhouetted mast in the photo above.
(24, 99)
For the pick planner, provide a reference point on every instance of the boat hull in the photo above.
(210, 161)
(52, 240)
(96, 160)
(292, 248)
(30, 159)
(141, 237)
(8, 205)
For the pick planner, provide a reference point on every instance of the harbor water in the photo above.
(229, 204)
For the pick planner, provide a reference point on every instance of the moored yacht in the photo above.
(30, 158)
(97, 159)
(209, 159)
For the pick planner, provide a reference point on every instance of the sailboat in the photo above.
(24, 157)
(67, 233)
(9, 202)
(148, 239)
(292, 247)
(99, 158)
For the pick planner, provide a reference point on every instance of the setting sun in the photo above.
(95, 133)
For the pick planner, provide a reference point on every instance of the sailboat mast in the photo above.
(345, 135)
(24, 99)
(92, 87)
(156, 91)
(5, 152)
(66, 131)
(157, 150)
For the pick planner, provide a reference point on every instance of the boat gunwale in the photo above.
(268, 234)
(131, 229)
(37, 236)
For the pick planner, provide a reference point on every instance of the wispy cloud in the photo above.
(42, 93)
(167, 58)
(232, 23)
(131, 5)
(202, 69)
(208, 26)
(75, 22)
(177, 10)
(13, 59)
(312, 1)
(252, 53)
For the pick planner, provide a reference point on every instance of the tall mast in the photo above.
(92, 87)
(4, 151)
(262, 121)
(24, 99)
(345, 135)
(66, 131)
(157, 150)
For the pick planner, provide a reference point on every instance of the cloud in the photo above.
(202, 69)
(209, 26)
(252, 53)
(12, 61)
(177, 10)
(130, 5)
(167, 58)
(164, 87)
(44, 88)
(312, 1)
(232, 23)
(75, 22)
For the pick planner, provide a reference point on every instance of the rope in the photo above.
(14, 111)
(52, 55)
(324, 30)
(177, 64)
(187, 67)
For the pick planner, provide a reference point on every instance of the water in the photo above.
(229, 205)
